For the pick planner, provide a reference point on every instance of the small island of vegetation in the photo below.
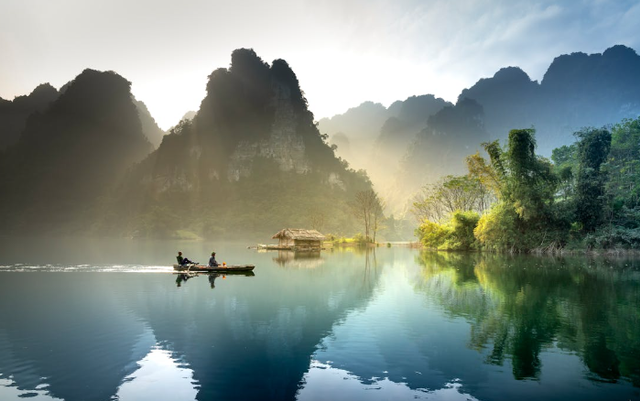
(586, 198)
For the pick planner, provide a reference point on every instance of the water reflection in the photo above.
(11, 391)
(182, 278)
(159, 377)
(324, 382)
(520, 306)
(385, 323)
(299, 260)
(70, 329)
(212, 279)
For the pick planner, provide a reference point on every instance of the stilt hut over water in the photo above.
(298, 238)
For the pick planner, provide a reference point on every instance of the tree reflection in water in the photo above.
(521, 306)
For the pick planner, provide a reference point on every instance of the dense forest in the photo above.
(586, 197)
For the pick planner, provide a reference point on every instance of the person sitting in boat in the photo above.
(183, 261)
(212, 261)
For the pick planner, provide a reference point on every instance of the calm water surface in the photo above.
(107, 320)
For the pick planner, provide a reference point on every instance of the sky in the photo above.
(344, 52)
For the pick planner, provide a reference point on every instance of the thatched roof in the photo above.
(299, 233)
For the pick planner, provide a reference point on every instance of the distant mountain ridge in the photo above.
(70, 154)
(371, 133)
(577, 90)
(252, 158)
(14, 114)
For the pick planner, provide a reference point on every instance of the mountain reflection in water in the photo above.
(392, 323)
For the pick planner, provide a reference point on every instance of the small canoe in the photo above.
(218, 269)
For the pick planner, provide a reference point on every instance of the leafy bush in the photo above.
(496, 230)
(361, 239)
(455, 235)
(432, 235)
(616, 237)
(462, 225)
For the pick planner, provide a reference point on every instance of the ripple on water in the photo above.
(85, 268)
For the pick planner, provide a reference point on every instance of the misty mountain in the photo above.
(150, 128)
(14, 114)
(251, 160)
(407, 117)
(577, 90)
(376, 139)
(374, 130)
(359, 122)
(71, 154)
(189, 115)
(503, 98)
(356, 129)
(440, 148)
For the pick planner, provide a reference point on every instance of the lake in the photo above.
(108, 320)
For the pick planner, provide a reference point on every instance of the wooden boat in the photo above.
(218, 269)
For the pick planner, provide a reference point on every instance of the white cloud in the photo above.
(342, 52)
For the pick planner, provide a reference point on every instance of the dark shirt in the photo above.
(213, 262)
(180, 259)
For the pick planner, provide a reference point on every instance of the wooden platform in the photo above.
(288, 248)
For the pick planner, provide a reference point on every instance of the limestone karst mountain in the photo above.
(150, 128)
(252, 159)
(577, 90)
(70, 154)
(14, 114)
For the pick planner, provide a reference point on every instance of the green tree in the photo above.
(623, 166)
(497, 230)
(593, 150)
(565, 164)
(432, 235)
(530, 184)
(462, 225)
(437, 202)
(366, 207)
(524, 218)
(455, 235)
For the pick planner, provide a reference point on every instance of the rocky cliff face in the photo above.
(149, 126)
(283, 145)
(251, 157)
(251, 112)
